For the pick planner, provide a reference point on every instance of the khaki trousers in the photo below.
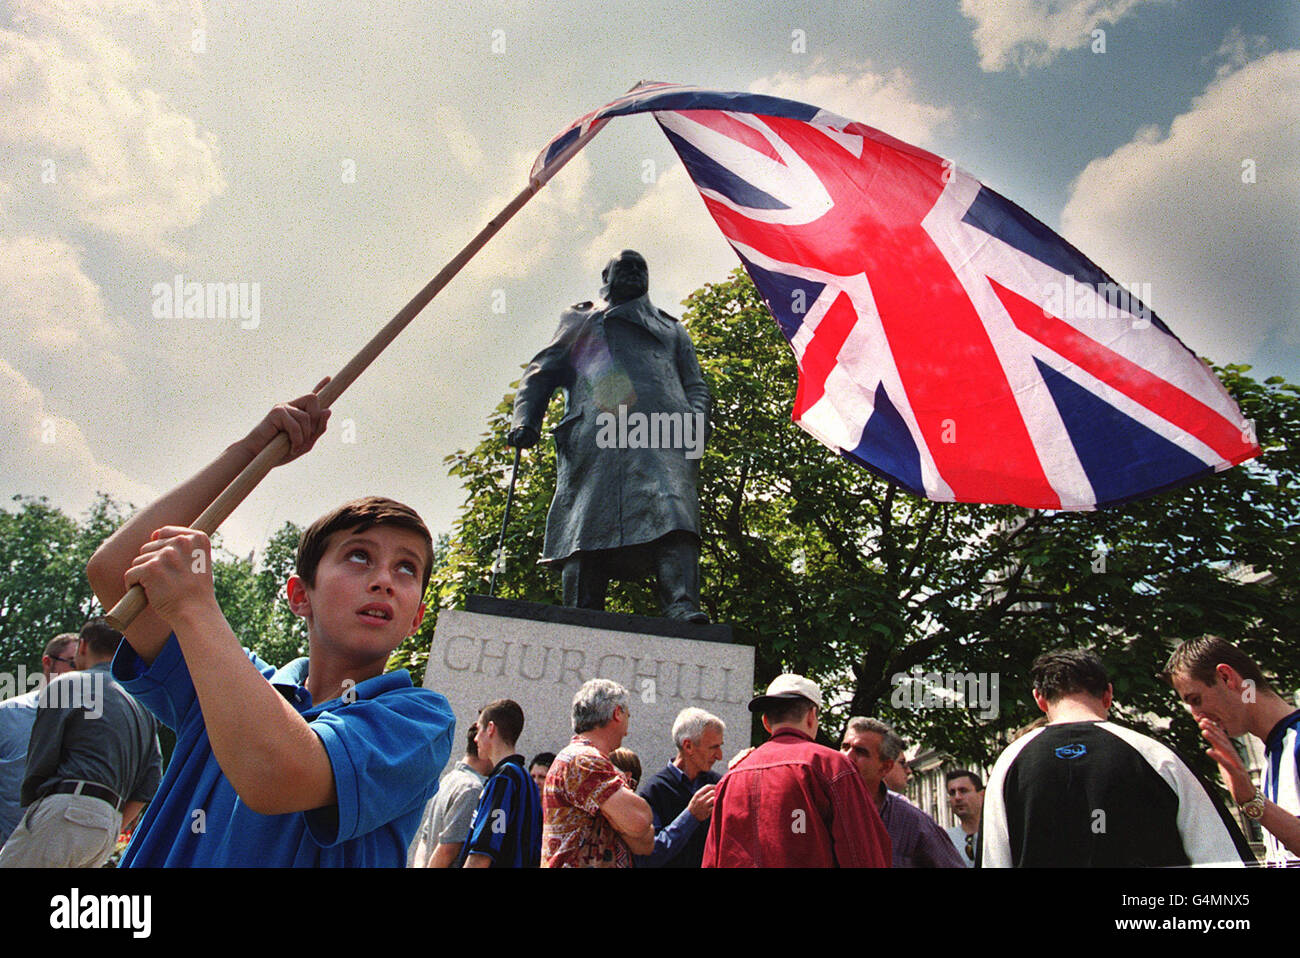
(63, 831)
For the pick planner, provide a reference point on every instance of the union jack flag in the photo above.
(945, 338)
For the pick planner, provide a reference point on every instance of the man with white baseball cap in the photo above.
(792, 803)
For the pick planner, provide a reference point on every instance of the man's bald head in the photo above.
(626, 277)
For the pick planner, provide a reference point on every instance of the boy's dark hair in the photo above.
(358, 516)
(101, 637)
(542, 758)
(1068, 671)
(508, 717)
(964, 773)
(789, 711)
(1199, 657)
(471, 746)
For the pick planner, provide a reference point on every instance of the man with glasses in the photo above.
(16, 718)
(92, 764)
(590, 818)
(916, 839)
(900, 772)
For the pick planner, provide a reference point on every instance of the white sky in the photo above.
(217, 141)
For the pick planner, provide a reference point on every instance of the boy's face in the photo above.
(1221, 702)
(483, 738)
(538, 772)
(368, 591)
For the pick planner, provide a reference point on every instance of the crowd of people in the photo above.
(331, 761)
(1074, 790)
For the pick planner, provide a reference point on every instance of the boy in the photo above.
(325, 762)
(1228, 696)
(506, 831)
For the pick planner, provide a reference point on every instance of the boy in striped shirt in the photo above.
(506, 831)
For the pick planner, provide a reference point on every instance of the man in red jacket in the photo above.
(792, 803)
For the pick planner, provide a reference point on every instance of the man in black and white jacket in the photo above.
(1082, 792)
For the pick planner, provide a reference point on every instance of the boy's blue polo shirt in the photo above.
(386, 748)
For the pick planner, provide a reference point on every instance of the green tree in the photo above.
(834, 572)
(43, 587)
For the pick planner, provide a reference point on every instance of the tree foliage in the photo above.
(43, 587)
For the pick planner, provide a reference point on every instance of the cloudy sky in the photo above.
(330, 158)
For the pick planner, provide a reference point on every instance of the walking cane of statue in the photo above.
(499, 561)
(134, 602)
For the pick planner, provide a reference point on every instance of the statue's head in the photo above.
(625, 277)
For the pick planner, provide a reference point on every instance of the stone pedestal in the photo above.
(539, 655)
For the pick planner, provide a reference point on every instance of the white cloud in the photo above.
(461, 141)
(557, 215)
(45, 451)
(1177, 211)
(108, 149)
(1030, 33)
(54, 324)
(887, 101)
(45, 298)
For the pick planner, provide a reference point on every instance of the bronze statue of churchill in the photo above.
(628, 447)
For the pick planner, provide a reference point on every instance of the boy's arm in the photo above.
(302, 419)
(444, 855)
(275, 762)
(1284, 826)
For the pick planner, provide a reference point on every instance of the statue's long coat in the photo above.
(632, 355)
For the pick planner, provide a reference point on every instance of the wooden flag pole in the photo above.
(134, 602)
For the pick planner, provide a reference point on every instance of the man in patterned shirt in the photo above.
(590, 818)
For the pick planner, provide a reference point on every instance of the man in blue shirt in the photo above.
(328, 761)
(681, 795)
(915, 839)
(506, 831)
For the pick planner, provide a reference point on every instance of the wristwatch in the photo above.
(1254, 808)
